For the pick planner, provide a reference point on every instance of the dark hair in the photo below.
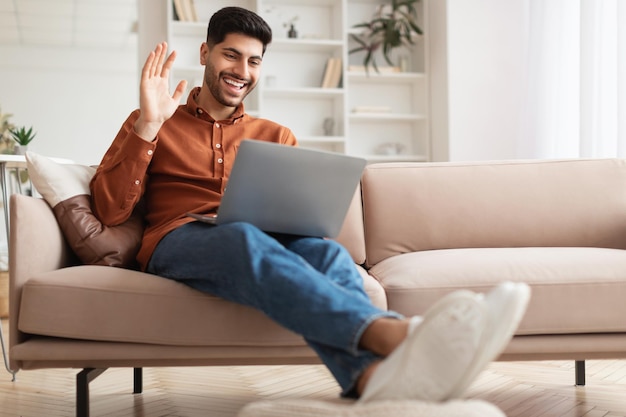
(237, 20)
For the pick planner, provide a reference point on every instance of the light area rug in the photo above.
(345, 408)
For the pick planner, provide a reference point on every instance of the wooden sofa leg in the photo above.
(580, 373)
(137, 380)
(83, 378)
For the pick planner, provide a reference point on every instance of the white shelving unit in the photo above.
(382, 117)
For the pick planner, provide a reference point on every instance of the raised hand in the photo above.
(156, 105)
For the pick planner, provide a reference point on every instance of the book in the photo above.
(330, 64)
(191, 9)
(179, 10)
(175, 16)
(185, 10)
(335, 77)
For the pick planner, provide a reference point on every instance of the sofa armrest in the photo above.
(352, 235)
(36, 244)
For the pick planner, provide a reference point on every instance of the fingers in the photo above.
(156, 64)
(168, 64)
(180, 89)
(161, 51)
(147, 67)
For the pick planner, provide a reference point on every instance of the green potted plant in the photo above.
(22, 138)
(392, 26)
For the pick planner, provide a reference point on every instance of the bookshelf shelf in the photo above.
(322, 139)
(312, 45)
(392, 77)
(311, 92)
(367, 116)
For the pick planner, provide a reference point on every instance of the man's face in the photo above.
(232, 68)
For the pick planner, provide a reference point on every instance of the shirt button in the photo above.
(137, 182)
(220, 160)
(150, 152)
(217, 125)
(219, 145)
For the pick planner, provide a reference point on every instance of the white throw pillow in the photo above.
(57, 182)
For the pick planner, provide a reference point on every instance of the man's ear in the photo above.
(204, 53)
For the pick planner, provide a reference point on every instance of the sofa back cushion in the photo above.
(413, 207)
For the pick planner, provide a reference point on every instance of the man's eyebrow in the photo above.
(237, 52)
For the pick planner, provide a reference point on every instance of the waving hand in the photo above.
(156, 105)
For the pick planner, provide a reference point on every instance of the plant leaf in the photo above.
(392, 26)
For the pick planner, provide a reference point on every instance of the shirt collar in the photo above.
(193, 108)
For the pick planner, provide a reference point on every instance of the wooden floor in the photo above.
(520, 389)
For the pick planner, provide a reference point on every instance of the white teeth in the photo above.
(236, 84)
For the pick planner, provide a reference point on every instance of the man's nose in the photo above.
(242, 69)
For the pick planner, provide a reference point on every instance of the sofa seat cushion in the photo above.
(574, 290)
(114, 304)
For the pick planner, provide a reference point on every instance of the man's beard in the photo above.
(213, 82)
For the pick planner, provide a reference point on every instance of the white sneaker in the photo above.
(506, 305)
(432, 362)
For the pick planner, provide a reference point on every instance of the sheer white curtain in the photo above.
(575, 87)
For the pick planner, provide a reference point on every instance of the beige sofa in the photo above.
(418, 232)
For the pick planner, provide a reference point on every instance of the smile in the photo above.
(234, 83)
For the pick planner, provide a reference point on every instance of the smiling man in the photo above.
(178, 158)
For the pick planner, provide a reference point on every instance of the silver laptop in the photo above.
(288, 189)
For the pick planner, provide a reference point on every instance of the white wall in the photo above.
(485, 41)
(76, 99)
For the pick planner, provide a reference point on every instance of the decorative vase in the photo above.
(292, 32)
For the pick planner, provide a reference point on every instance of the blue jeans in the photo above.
(308, 285)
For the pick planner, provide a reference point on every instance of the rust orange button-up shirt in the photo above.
(185, 169)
